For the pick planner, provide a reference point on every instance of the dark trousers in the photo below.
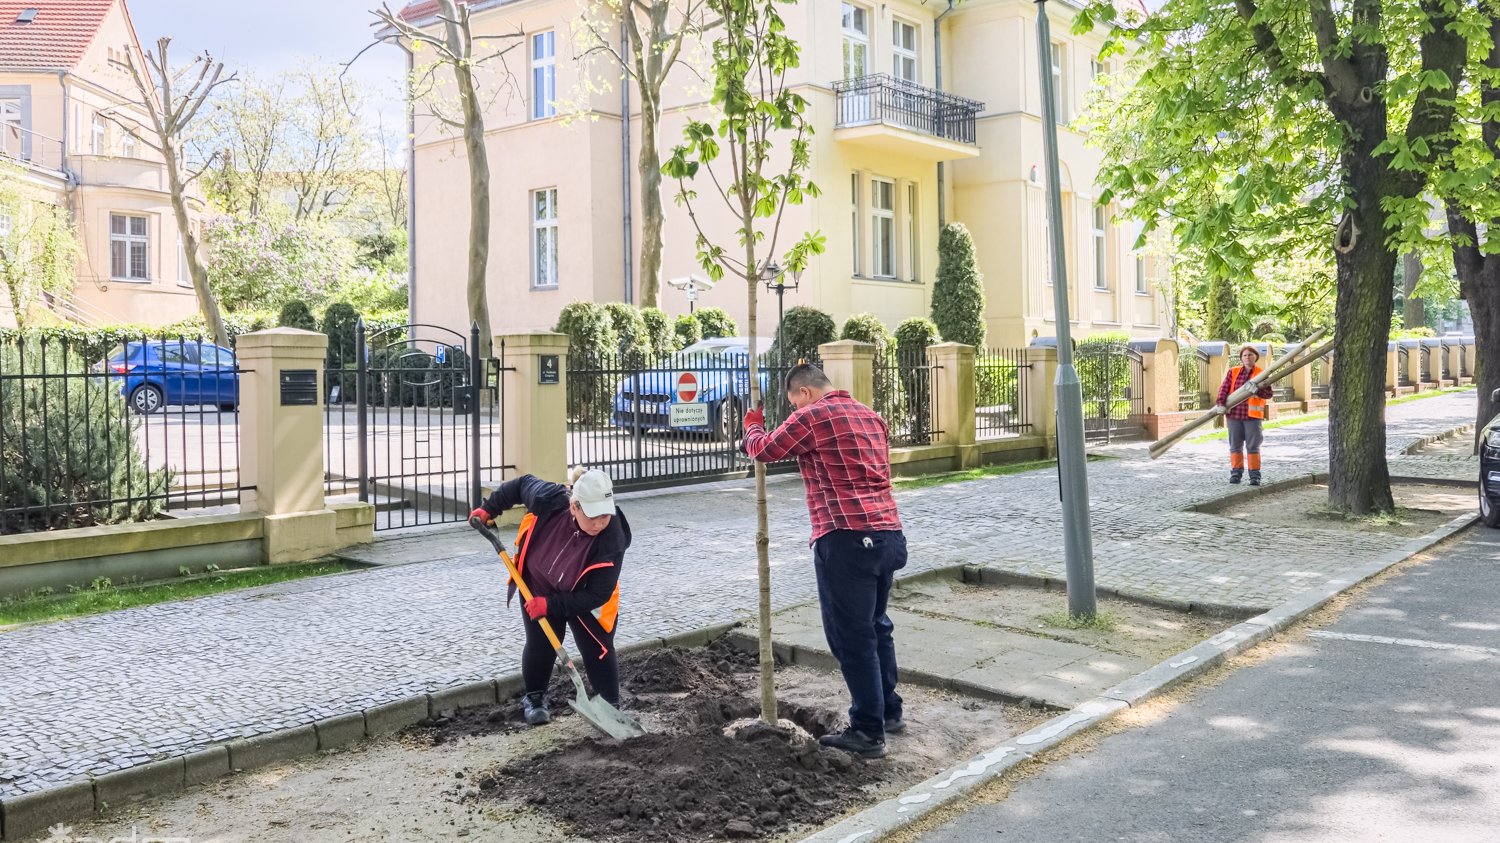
(596, 649)
(854, 584)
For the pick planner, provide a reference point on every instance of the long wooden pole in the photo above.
(1289, 363)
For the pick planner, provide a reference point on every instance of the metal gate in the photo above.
(1114, 390)
(414, 423)
(675, 420)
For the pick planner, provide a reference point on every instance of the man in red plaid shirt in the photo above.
(843, 451)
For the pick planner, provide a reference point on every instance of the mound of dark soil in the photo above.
(686, 787)
(673, 671)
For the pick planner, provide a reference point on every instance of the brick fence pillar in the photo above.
(851, 366)
(535, 415)
(1041, 398)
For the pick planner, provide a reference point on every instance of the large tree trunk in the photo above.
(1413, 309)
(1479, 284)
(207, 304)
(1358, 479)
(652, 241)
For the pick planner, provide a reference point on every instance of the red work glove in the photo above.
(755, 417)
(484, 517)
(536, 608)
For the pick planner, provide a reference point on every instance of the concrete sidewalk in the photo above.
(111, 692)
(1382, 726)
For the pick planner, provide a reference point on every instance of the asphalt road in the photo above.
(1384, 726)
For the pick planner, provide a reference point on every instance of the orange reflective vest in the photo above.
(606, 615)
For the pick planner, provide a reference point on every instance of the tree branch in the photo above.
(1339, 71)
(1270, 50)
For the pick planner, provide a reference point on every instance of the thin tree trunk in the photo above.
(1358, 478)
(652, 239)
(1479, 284)
(479, 177)
(768, 711)
(207, 304)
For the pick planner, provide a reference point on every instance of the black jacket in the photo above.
(551, 500)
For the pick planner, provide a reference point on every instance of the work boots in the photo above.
(534, 708)
(1254, 477)
(1235, 475)
(857, 742)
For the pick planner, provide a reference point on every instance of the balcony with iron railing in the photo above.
(28, 148)
(893, 115)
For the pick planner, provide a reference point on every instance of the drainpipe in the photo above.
(411, 191)
(626, 199)
(62, 81)
(937, 63)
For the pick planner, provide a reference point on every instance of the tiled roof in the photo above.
(56, 38)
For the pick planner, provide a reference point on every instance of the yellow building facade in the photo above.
(894, 157)
(64, 94)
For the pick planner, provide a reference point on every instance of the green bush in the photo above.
(865, 327)
(687, 330)
(659, 336)
(67, 441)
(296, 314)
(594, 347)
(958, 293)
(339, 322)
(716, 323)
(912, 339)
(996, 385)
(800, 334)
(631, 333)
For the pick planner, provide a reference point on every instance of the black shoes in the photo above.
(1255, 478)
(895, 727)
(854, 741)
(534, 707)
(1234, 476)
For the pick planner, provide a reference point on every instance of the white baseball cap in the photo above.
(595, 493)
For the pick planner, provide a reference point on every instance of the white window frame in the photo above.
(1059, 62)
(130, 146)
(130, 240)
(852, 35)
(544, 75)
(1097, 68)
(1101, 247)
(544, 221)
(7, 224)
(99, 136)
(854, 217)
(901, 56)
(10, 115)
(1140, 276)
(912, 264)
(882, 230)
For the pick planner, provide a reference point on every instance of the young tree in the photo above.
(1306, 124)
(38, 248)
(958, 293)
(461, 53)
(656, 31)
(759, 118)
(172, 101)
(326, 147)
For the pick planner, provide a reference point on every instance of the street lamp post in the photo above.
(775, 280)
(1078, 543)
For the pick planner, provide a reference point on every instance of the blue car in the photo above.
(721, 368)
(153, 374)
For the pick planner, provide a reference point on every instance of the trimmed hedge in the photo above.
(687, 330)
(800, 334)
(912, 339)
(716, 323)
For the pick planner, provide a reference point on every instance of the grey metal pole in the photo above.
(1078, 540)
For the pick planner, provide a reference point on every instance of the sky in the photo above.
(269, 36)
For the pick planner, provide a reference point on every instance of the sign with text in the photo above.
(689, 415)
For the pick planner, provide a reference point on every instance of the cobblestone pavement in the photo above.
(99, 694)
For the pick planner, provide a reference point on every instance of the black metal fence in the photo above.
(881, 98)
(1114, 389)
(1001, 386)
(1322, 376)
(906, 396)
(654, 423)
(1403, 373)
(100, 436)
(1445, 359)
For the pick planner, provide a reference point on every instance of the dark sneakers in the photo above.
(534, 707)
(895, 727)
(1235, 477)
(854, 741)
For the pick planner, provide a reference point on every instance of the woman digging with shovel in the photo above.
(569, 549)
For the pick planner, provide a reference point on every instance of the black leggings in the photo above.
(595, 646)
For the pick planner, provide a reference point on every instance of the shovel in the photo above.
(597, 710)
